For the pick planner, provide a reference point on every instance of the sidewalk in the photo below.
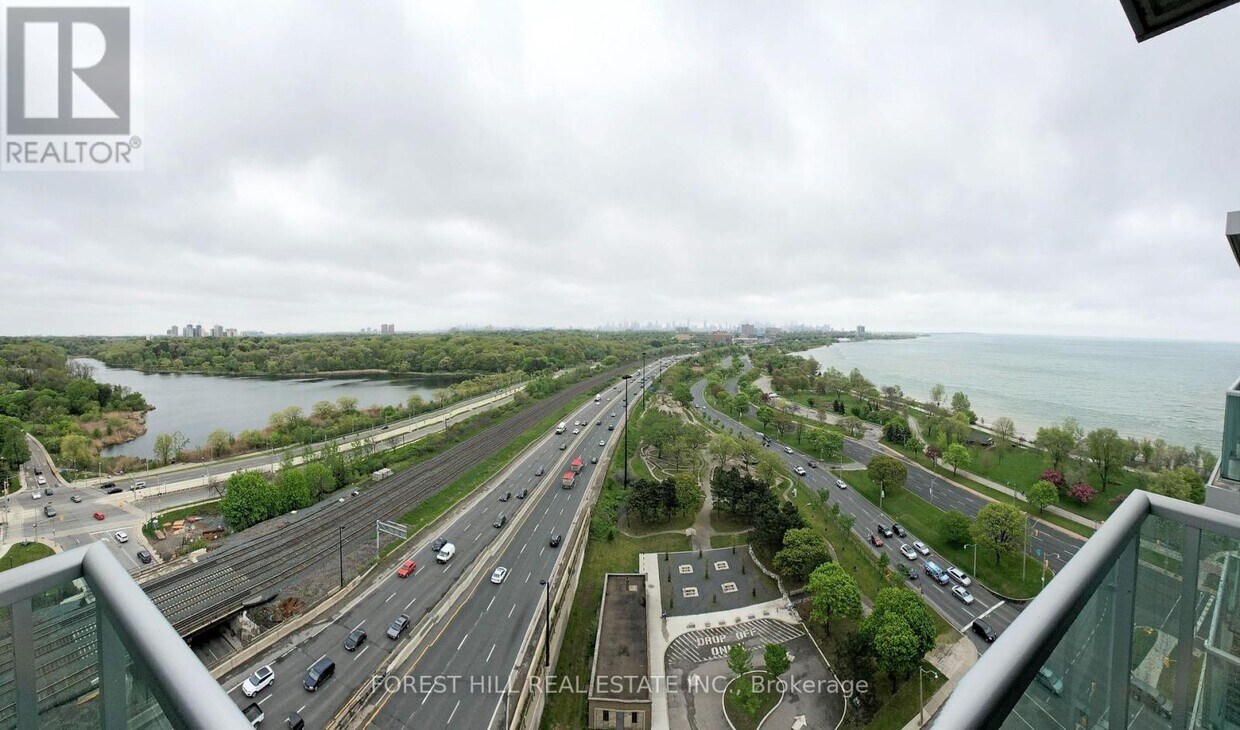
(953, 660)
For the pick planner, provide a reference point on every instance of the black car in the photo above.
(984, 630)
(48, 492)
(38, 472)
(611, 427)
(556, 540)
(438, 543)
(398, 626)
(505, 496)
(145, 557)
(523, 494)
(107, 485)
(898, 530)
(356, 638)
(540, 472)
(886, 531)
(812, 465)
(115, 490)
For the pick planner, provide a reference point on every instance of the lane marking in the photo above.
(488, 608)
(514, 608)
(458, 704)
(391, 596)
(489, 653)
(355, 628)
(410, 603)
(463, 638)
(363, 651)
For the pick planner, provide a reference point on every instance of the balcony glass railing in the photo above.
(1142, 624)
(65, 617)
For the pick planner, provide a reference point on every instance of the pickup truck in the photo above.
(253, 713)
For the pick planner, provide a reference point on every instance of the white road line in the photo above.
(410, 603)
(986, 613)
(537, 526)
(458, 704)
(316, 661)
(391, 596)
(561, 510)
(527, 577)
(463, 638)
(523, 548)
(355, 628)
(540, 552)
(548, 509)
(477, 536)
(363, 651)
(489, 653)
(514, 608)
(299, 709)
(265, 699)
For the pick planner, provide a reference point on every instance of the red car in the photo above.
(99, 515)
(407, 569)
(875, 540)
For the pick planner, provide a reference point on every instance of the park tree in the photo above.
(775, 656)
(1059, 442)
(219, 442)
(852, 426)
(888, 472)
(858, 382)
(75, 448)
(769, 467)
(248, 499)
(1108, 452)
(741, 404)
(163, 448)
(1005, 430)
(803, 551)
(1042, 494)
(739, 659)
(961, 404)
(323, 410)
(1054, 476)
(956, 528)
(957, 456)
(1183, 482)
(319, 479)
(834, 594)
(766, 414)
(723, 447)
(902, 625)
(956, 429)
(1082, 493)
(937, 393)
(896, 430)
(896, 649)
(292, 492)
(933, 453)
(14, 450)
(998, 528)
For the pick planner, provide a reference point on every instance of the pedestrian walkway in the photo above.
(953, 660)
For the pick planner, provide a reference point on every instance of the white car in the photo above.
(787, 449)
(122, 537)
(261, 679)
(499, 575)
(958, 575)
(963, 594)
(908, 552)
(602, 442)
(42, 481)
(921, 548)
(576, 431)
(840, 483)
(37, 495)
(799, 470)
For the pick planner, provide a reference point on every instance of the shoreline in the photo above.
(297, 375)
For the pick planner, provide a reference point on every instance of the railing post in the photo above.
(1121, 630)
(1187, 625)
(23, 665)
(113, 665)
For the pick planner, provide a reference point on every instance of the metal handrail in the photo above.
(126, 617)
(987, 693)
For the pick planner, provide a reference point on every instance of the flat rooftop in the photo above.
(621, 654)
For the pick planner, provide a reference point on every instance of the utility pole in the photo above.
(342, 556)
(547, 654)
(626, 430)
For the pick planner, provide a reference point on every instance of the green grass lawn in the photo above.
(1143, 638)
(924, 520)
(741, 714)
(790, 437)
(566, 710)
(722, 541)
(21, 554)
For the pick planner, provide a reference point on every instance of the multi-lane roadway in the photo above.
(481, 635)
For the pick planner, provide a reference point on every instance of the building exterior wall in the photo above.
(610, 714)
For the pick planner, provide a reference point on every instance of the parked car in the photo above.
(407, 569)
(145, 557)
(875, 540)
(499, 575)
(122, 537)
(900, 532)
(107, 485)
(920, 547)
(523, 494)
(908, 552)
(356, 638)
(556, 540)
(1050, 680)
(958, 575)
(984, 630)
(840, 483)
(963, 594)
(319, 673)
(438, 543)
(398, 626)
(261, 679)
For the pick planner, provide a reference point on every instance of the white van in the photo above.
(446, 553)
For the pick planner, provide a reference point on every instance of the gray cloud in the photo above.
(944, 166)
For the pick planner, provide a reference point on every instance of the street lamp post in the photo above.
(547, 655)
(1045, 563)
(626, 430)
(974, 546)
(921, 695)
(341, 556)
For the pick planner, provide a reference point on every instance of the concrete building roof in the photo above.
(621, 653)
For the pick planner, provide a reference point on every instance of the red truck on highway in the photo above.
(578, 464)
(569, 479)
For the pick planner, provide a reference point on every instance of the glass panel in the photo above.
(144, 708)
(66, 657)
(8, 694)
(1215, 692)
(1156, 617)
(1071, 690)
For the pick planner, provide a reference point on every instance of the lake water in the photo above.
(196, 405)
(1142, 388)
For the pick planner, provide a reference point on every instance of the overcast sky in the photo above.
(937, 166)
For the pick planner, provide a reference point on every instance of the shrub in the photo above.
(1082, 492)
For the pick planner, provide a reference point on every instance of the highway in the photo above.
(524, 547)
(996, 611)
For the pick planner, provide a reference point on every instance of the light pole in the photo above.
(921, 695)
(547, 655)
(342, 556)
(1046, 561)
(974, 546)
(1024, 558)
(626, 430)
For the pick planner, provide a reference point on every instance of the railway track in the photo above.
(201, 594)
